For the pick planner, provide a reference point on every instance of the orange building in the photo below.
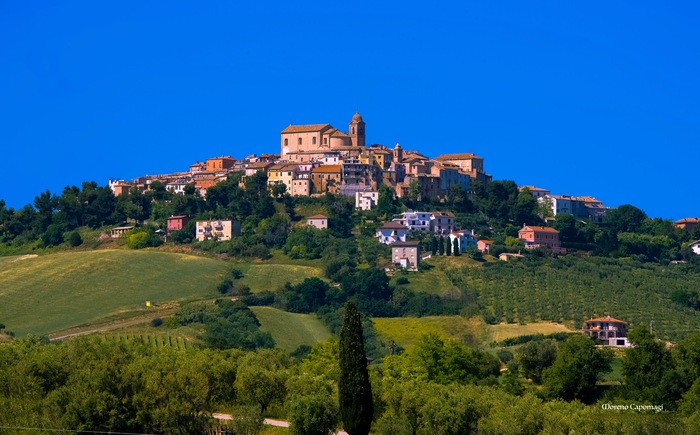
(326, 178)
(219, 163)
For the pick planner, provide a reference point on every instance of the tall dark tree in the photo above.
(354, 389)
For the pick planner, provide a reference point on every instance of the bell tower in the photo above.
(356, 131)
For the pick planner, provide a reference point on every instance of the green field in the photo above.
(406, 331)
(290, 330)
(42, 294)
(261, 277)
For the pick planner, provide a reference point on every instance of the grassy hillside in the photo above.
(290, 330)
(406, 331)
(41, 294)
(271, 276)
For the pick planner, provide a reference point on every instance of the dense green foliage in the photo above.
(228, 324)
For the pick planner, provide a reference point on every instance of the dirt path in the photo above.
(267, 421)
(110, 326)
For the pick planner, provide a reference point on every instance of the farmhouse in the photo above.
(606, 331)
(406, 255)
(318, 220)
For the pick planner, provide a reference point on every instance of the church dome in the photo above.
(356, 117)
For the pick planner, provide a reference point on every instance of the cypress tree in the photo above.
(354, 389)
(448, 247)
(455, 248)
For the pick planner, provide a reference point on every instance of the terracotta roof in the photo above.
(259, 165)
(462, 156)
(488, 242)
(605, 319)
(533, 189)
(408, 243)
(317, 216)
(393, 226)
(443, 213)
(305, 128)
(326, 169)
(539, 229)
(339, 133)
(177, 217)
(690, 220)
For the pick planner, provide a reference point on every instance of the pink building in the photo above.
(540, 237)
(176, 223)
(406, 254)
(318, 220)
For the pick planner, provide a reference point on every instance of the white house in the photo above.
(465, 239)
(366, 200)
(414, 220)
(695, 247)
(392, 232)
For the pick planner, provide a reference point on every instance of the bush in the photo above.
(74, 239)
(401, 280)
(156, 322)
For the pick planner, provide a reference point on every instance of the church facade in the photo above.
(297, 140)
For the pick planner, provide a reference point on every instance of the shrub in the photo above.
(74, 239)
(156, 322)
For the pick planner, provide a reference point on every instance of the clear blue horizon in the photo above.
(582, 99)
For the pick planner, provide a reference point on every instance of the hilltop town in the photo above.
(471, 287)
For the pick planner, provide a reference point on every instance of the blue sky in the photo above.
(583, 98)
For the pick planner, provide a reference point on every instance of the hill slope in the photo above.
(41, 294)
(290, 330)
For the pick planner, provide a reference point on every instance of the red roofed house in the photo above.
(688, 224)
(540, 237)
(606, 331)
(484, 246)
(318, 220)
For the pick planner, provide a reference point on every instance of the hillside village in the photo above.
(318, 159)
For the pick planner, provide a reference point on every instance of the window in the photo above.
(325, 141)
(299, 141)
(313, 140)
(353, 130)
(286, 142)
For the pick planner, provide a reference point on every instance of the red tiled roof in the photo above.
(317, 216)
(690, 220)
(605, 319)
(462, 156)
(408, 243)
(538, 229)
(324, 169)
(305, 128)
(393, 226)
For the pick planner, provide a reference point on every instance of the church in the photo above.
(301, 143)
